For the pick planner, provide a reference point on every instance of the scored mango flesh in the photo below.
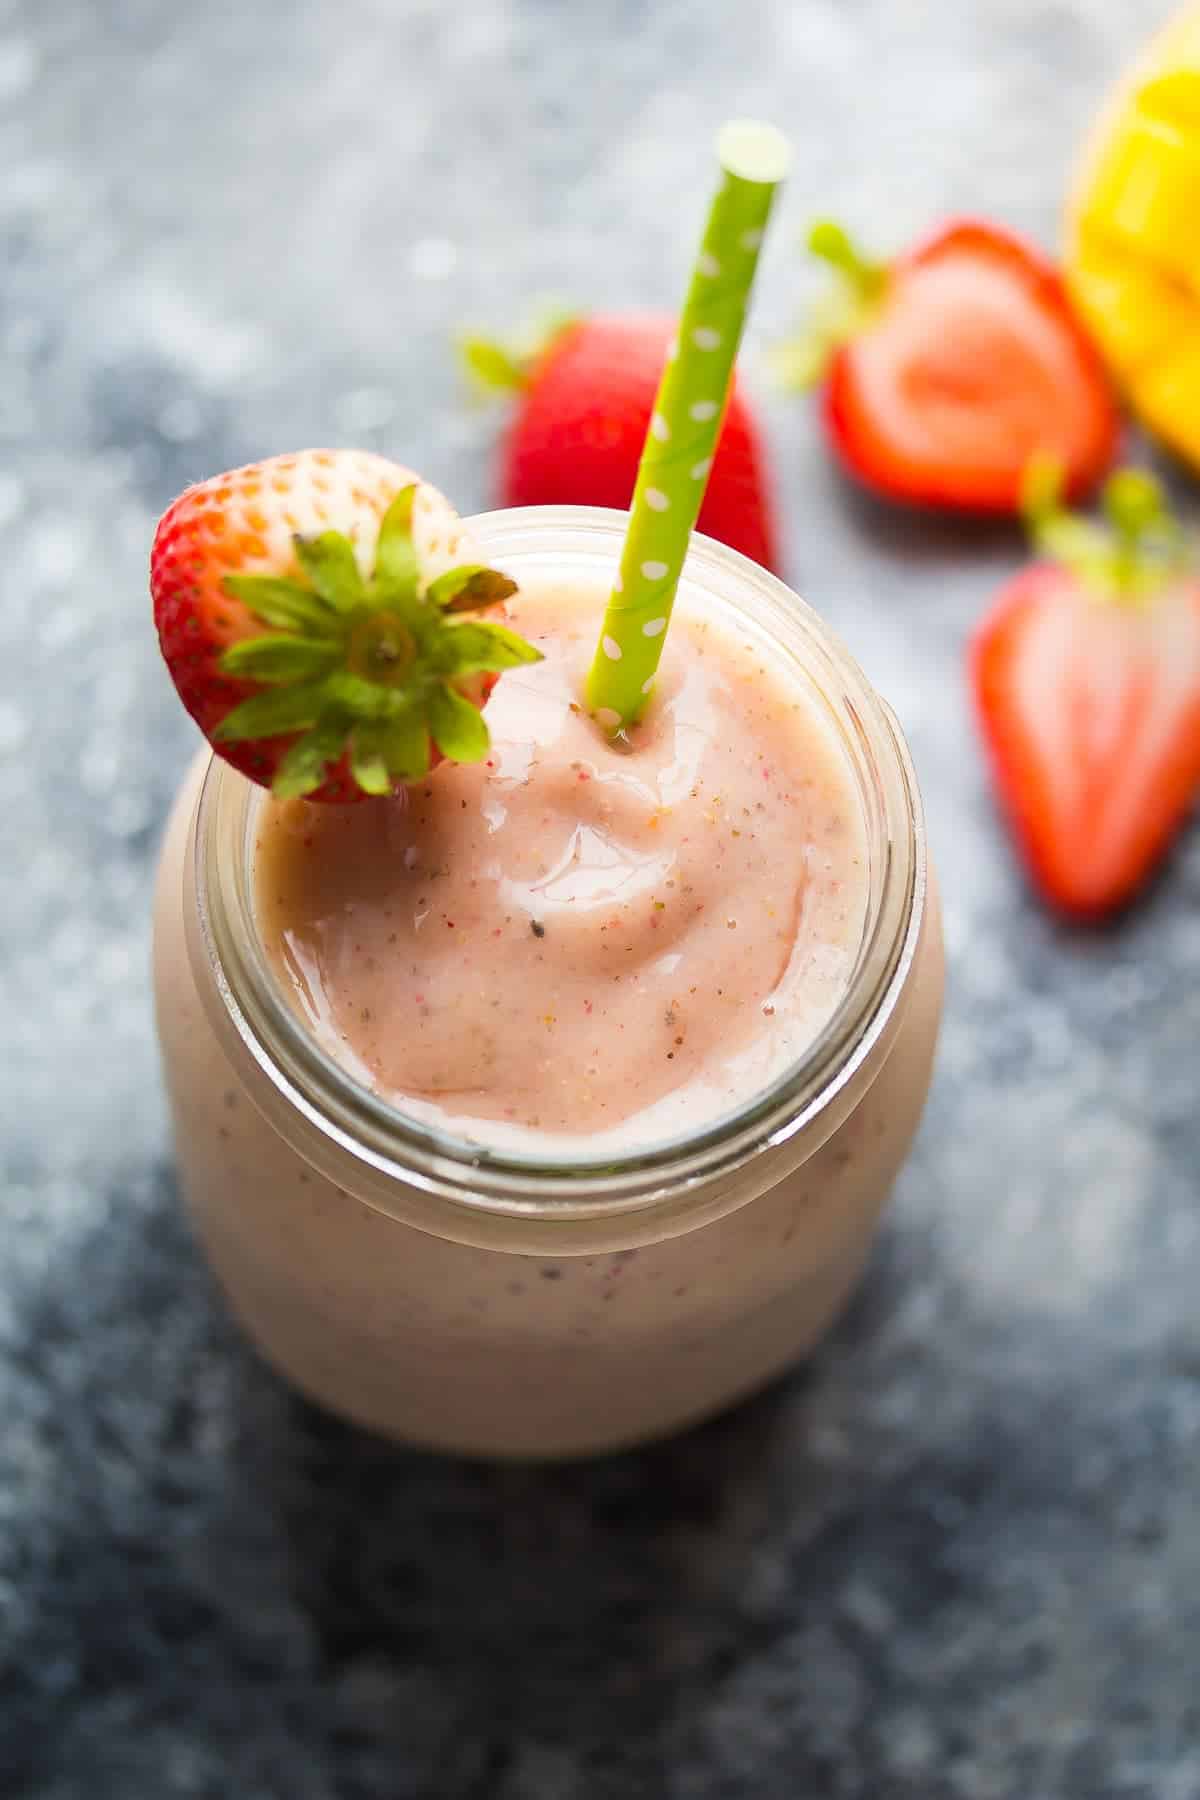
(1133, 236)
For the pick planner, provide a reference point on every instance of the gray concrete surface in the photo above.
(956, 1559)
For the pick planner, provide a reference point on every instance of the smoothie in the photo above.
(577, 940)
(468, 1188)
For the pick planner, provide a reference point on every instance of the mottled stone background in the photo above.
(956, 1559)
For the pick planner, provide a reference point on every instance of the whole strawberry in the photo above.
(585, 398)
(310, 609)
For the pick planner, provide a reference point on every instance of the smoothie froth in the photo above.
(575, 940)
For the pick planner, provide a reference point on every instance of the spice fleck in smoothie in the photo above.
(539, 1059)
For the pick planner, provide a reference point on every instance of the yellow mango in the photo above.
(1168, 398)
(1134, 312)
(1132, 258)
(1143, 193)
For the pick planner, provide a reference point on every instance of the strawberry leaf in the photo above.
(1149, 546)
(491, 365)
(405, 746)
(274, 713)
(287, 605)
(458, 727)
(1138, 548)
(494, 366)
(802, 362)
(1066, 537)
(328, 561)
(866, 277)
(470, 588)
(1134, 504)
(1076, 543)
(278, 658)
(1041, 488)
(397, 571)
(368, 760)
(478, 645)
(838, 316)
(365, 701)
(303, 768)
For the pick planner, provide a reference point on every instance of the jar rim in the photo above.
(502, 1181)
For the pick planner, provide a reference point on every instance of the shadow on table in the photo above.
(921, 533)
(222, 1589)
(589, 1605)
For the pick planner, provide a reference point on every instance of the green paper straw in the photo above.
(686, 423)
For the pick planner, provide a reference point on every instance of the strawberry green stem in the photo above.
(496, 366)
(1127, 556)
(865, 278)
(839, 315)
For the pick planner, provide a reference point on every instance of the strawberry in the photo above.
(586, 394)
(1086, 677)
(946, 370)
(309, 609)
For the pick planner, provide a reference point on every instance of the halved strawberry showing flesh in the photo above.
(586, 391)
(319, 625)
(1086, 677)
(948, 369)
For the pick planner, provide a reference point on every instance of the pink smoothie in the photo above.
(575, 938)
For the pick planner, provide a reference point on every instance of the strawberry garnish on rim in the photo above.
(947, 369)
(320, 628)
(1086, 678)
(584, 392)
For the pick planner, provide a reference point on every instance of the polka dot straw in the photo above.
(685, 424)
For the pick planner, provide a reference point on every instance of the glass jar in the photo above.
(504, 1304)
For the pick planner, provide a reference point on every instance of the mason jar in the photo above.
(517, 1304)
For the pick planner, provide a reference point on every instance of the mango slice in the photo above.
(1132, 257)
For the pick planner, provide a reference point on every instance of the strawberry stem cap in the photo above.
(860, 287)
(370, 667)
(496, 366)
(1134, 550)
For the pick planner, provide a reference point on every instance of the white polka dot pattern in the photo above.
(678, 453)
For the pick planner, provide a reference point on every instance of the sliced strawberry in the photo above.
(1086, 677)
(315, 619)
(947, 370)
(586, 395)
